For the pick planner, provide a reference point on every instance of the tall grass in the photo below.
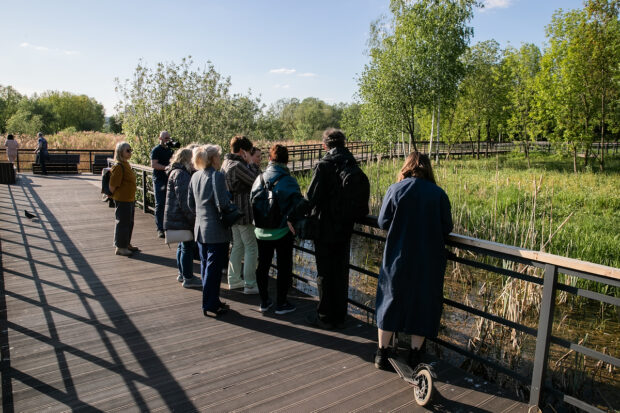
(72, 140)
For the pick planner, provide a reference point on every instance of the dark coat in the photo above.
(177, 214)
(323, 198)
(416, 214)
(208, 229)
(293, 205)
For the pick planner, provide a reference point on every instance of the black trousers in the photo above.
(332, 264)
(41, 160)
(284, 256)
(124, 223)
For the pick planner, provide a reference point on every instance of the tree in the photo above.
(414, 63)
(79, 111)
(483, 93)
(9, 99)
(522, 67)
(31, 116)
(193, 105)
(579, 75)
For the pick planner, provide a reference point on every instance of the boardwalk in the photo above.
(85, 330)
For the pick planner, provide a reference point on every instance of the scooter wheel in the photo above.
(423, 391)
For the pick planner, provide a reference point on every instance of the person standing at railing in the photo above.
(11, 148)
(123, 188)
(179, 217)
(41, 152)
(160, 159)
(416, 214)
(336, 210)
(239, 180)
(212, 236)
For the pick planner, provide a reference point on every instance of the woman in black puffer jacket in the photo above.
(178, 215)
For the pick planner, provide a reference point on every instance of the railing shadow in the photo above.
(155, 374)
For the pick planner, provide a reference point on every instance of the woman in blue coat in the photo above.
(416, 214)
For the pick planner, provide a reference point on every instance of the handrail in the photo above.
(538, 256)
(550, 263)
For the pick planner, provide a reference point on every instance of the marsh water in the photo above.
(583, 321)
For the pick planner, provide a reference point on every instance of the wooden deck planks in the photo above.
(88, 330)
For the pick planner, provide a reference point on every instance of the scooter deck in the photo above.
(402, 368)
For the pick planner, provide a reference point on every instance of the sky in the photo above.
(275, 48)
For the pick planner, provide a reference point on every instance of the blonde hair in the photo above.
(120, 147)
(184, 157)
(203, 155)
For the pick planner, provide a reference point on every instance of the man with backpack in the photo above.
(338, 195)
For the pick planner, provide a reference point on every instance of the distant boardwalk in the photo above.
(83, 329)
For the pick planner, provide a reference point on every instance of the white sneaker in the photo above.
(180, 278)
(249, 291)
(123, 251)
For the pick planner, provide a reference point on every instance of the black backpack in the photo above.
(105, 182)
(355, 191)
(265, 207)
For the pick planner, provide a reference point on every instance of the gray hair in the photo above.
(164, 134)
(204, 155)
(120, 147)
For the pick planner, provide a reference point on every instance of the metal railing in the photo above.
(552, 265)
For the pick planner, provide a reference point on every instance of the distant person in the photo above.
(179, 216)
(290, 204)
(416, 214)
(212, 236)
(239, 180)
(336, 215)
(256, 156)
(123, 188)
(160, 159)
(11, 148)
(41, 152)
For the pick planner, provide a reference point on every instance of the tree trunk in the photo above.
(486, 155)
(478, 144)
(575, 158)
(602, 157)
(587, 155)
(430, 140)
(438, 123)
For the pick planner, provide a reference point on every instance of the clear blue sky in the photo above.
(277, 48)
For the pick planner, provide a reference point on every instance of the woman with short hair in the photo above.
(123, 188)
(416, 214)
(178, 215)
(210, 233)
(292, 206)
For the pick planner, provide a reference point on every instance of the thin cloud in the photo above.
(307, 74)
(282, 86)
(44, 49)
(283, 71)
(496, 4)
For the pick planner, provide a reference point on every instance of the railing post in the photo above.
(144, 194)
(545, 325)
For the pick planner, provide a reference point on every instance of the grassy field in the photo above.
(546, 207)
(73, 140)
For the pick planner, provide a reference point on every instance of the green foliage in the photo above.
(9, 98)
(193, 105)
(69, 110)
(414, 64)
(113, 124)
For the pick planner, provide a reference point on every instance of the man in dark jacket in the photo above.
(239, 180)
(332, 247)
(160, 159)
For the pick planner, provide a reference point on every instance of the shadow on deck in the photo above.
(83, 329)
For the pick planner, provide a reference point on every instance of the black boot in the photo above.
(414, 357)
(381, 358)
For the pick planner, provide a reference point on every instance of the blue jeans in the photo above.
(213, 258)
(159, 188)
(185, 259)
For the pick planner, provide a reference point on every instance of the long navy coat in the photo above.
(416, 214)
